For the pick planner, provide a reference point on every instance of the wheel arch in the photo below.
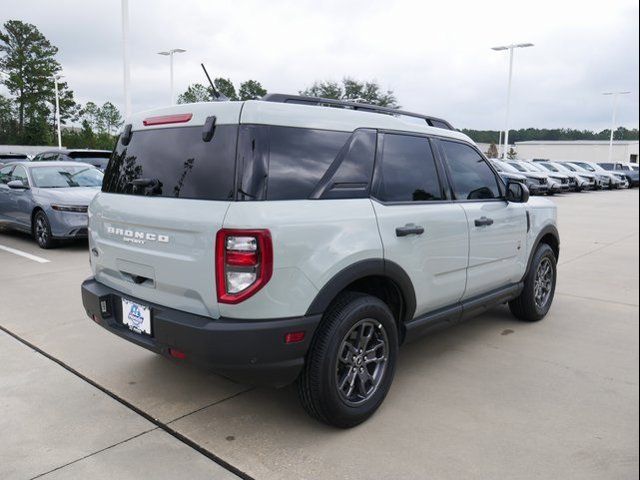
(548, 235)
(381, 278)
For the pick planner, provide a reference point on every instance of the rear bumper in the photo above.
(247, 351)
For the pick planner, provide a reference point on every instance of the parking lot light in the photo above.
(615, 95)
(170, 53)
(506, 122)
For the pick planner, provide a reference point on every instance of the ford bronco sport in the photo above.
(303, 239)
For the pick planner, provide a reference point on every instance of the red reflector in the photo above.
(179, 354)
(242, 259)
(294, 337)
(95, 319)
(164, 119)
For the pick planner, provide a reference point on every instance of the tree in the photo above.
(196, 93)
(110, 118)
(226, 88)
(353, 90)
(251, 90)
(8, 125)
(29, 60)
(512, 154)
(492, 152)
(90, 113)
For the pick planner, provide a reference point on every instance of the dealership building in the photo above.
(585, 150)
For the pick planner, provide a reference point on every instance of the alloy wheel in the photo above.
(362, 361)
(543, 283)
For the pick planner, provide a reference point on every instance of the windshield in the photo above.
(65, 177)
(570, 167)
(506, 167)
(519, 167)
(549, 167)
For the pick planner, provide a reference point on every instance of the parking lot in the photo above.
(491, 398)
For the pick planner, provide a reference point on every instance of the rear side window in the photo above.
(175, 162)
(298, 158)
(407, 170)
(5, 174)
(287, 163)
(471, 176)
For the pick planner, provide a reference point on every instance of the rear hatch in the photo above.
(164, 196)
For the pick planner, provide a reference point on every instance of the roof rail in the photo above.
(365, 107)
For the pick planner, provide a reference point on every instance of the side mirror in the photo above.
(517, 192)
(17, 185)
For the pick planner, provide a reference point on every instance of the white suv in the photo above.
(297, 238)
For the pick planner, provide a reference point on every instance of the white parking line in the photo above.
(24, 254)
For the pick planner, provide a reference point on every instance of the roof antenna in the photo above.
(217, 95)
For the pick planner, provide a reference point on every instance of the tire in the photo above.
(350, 316)
(42, 230)
(526, 307)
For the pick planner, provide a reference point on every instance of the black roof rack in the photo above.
(365, 107)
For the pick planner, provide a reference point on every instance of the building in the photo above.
(585, 150)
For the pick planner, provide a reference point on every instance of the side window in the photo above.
(407, 170)
(20, 174)
(298, 158)
(5, 174)
(471, 176)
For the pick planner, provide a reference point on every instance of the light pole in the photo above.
(170, 53)
(616, 95)
(506, 121)
(55, 83)
(125, 58)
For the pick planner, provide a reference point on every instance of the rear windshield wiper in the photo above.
(153, 184)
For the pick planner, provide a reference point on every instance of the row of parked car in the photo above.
(547, 177)
(96, 158)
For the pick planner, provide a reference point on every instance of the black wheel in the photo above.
(351, 361)
(539, 287)
(42, 230)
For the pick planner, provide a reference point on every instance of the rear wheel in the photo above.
(42, 230)
(351, 361)
(536, 298)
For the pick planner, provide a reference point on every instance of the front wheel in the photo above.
(536, 297)
(351, 361)
(42, 230)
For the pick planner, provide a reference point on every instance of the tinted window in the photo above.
(471, 176)
(175, 162)
(5, 174)
(96, 159)
(407, 171)
(607, 166)
(298, 158)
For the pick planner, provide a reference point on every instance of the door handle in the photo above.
(409, 229)
(484, 222)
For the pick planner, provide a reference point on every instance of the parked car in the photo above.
(576, 182)
(97, 158)
(12, 157)
(48, 199)
(535, 184)
(603, 180)
(553, 186)
(588, 177)
(618, 168)
(614, 180)
(564, 181)
(281, 240)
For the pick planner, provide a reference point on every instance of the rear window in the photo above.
(98, 160)
(175, 162)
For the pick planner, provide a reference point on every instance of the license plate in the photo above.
(137, 317)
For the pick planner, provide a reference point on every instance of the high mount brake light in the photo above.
(165, 119)
(244, 263)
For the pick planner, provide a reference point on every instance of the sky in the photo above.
(435, 56)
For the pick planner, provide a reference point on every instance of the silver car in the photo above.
(48, 199)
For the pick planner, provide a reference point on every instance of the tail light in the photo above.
(244, 263)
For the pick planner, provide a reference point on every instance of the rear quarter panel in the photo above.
(313, 240)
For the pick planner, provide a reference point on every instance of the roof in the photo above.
(50, 164)
(290, 115)
(577, 142)
(75, 150)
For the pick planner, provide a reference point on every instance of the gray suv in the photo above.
(296, 239)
